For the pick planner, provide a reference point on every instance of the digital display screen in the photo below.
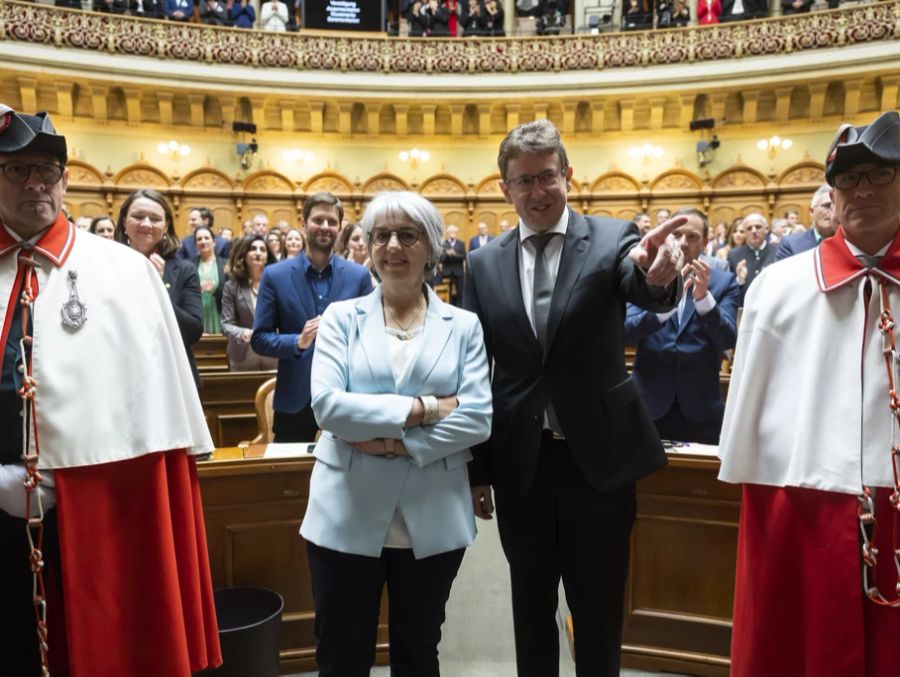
(344, 15)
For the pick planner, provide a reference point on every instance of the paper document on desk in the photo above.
(289, 450)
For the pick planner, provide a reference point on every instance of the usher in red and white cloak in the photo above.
(806, 423)
(119, 423)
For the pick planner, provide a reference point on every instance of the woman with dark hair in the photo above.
(275, 240)
(146, 225)
(249, 256)
(211, 270)
(103, 226)
(352, 244)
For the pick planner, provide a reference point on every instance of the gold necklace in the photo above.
(404, 333)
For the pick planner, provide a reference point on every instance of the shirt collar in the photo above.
(54, 242)
(561, 226)
(307, 264)
(837, 265)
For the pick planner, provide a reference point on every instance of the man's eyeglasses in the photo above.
(525, 182)
(19, 172)
(407, 237)
(876, 177)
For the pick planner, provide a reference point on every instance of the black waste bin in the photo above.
(249, 623)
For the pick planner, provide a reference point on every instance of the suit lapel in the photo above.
(301, 284)
(373, 342)
(337, 278)
(574, 254)
(689, 309)
(508, 271)
(438, 327)
(246, 297)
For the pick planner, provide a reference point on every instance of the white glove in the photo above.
(12, 490)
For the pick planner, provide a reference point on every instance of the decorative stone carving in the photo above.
(614, 183)
(268, 183)
(382, 183)
(442, 186)
(676, 181)
(79, 175)
(738, 178)
(801, 175)
(142, 178)
(207, 181)
(330, 183)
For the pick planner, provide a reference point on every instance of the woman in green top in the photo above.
(211, 270)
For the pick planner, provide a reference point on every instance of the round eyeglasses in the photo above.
(19, 172)
(407, 237)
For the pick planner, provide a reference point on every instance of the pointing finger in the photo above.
(659, 234)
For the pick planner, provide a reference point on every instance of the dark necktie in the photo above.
(542, 293)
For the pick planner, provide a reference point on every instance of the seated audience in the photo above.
(679, 353)
(213, 13)
(103, 226)
(275, 240)
(294, 243)
(708, 11)
(823, 226)
(748, 260)
(179, 10)
(242, 14)
(249, 256)
(273, 17)
(146, 225)
(211, 270)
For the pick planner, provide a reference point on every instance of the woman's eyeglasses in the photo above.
(407, 237)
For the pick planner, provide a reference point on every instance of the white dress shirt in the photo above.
(552, 253)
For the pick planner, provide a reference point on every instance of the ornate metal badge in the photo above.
(74, 312)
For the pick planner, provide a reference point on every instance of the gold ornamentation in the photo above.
(615, 183)
(676, 181)
(442, 186)
(738, 179)
(268, 183)
(142, 178)
(802, 175)
(329, 183)
(207, 180)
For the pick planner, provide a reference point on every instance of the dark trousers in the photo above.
(19, 655)
(564, 528)
(299, 427)
(457, 282)
(347, 595)
(674, 426)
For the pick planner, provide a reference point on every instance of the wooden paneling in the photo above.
(253, 509)
(681, 584)
(210, 353)
(227, 399)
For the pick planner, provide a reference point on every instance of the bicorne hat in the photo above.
(878, 143)
(20, 132)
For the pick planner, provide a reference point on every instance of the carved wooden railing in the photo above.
(126, 35)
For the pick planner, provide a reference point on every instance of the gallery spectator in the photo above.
(419, 19)
(440, 18)
(708, 11)
(473, 20)
(454, 11)
(148, 9)
(681, 14)
(104, 227)
(493, 19)
(663, 14)
(635, 15)
(213, 13)
(179, 10)
(273, 17)
(795, 6)
(743, 10)
(110, 6)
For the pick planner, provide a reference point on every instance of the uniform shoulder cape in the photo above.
(808, 400)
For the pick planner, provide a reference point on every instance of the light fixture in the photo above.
(646, 153)
(773, 144)
(298, 155)
(247, 153)
(414, 156)
(174, 149)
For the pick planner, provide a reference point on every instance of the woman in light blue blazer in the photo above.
(401, 389)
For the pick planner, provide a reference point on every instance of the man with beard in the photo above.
(293, 295)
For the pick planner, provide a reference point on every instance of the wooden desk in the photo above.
(253, 508)
(678, 606)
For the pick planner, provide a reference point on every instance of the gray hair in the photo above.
(415, 207)
(532, 138)
(756, 215)
(822, 191)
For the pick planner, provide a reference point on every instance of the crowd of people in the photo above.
(447, 18)
(513, 399)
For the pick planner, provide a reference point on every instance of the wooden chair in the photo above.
(264, 412)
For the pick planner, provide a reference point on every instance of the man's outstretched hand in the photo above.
(658, 254)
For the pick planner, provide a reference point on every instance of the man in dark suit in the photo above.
(679, 353)
(821, 215)
(570, 434)
(748, 260)
(201, 216)
(293, 294)
(453, 258)
(481, 239)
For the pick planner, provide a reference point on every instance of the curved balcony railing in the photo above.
(27, 22)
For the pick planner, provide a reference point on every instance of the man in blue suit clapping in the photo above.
(293, 294)
(679, 353)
